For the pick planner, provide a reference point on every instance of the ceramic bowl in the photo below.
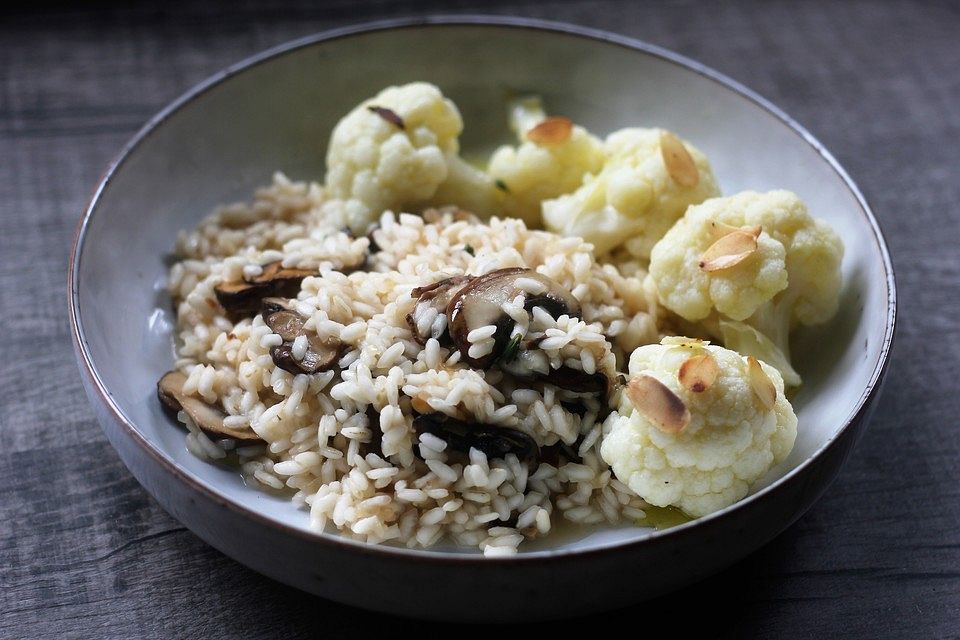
(274, 112)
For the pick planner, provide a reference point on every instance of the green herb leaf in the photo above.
(510, 353)
(501, 185)
(469, 250)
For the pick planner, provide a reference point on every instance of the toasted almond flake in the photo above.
(658, 404)
(679, 163)
(553, 130)
(389, 115)
(729, 251)
(720, 229)
(698, 372)
(761, 383)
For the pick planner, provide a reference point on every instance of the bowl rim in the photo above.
(342, 543)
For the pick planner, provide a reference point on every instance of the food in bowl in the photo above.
(405, 352)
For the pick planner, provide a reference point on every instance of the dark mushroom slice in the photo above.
(239, 299)
(576, 380)
(564, 377)
(494, 442)
(437, 296)
(577, 406)
(282, 319)
(373, 247)
(205, 416)
(375, 443)
(243, 299)
(555, 454)
(284, 280)
(479, 304)
(321, 354)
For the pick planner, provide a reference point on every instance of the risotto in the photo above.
(452, 374)
(344, 439)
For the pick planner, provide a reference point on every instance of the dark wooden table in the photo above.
(85, 552)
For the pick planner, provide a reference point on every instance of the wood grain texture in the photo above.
(85, 553)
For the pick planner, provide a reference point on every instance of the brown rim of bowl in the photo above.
(355, 546)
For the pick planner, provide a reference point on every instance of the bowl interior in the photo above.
(277, 114)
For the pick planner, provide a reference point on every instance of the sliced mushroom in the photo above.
(375, 444)
(576, 380)
(436, 296)
(282, 319)
(564, 377)
(373, 247)
(321, 354)
(495, 442)
(207, 417)
(472, 302)
(577, 406)
(479, 304)
(242, 299)
(555, 454)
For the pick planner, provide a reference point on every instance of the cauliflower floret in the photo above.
(393, 151)
(635, 197)
(778, 268)
(686, 288)
(734, 428)
(536, 171)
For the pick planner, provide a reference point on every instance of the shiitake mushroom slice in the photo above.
(321, 354)
(243, 299)
(479, 303)
(206, 416)
(494, 442)
(436, 295)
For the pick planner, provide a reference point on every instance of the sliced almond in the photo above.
(729, 251)
(719, 229)
(698, 373)
(680, 165)
(761, 383)
(553, 130)
(658, 404)
(389, 115)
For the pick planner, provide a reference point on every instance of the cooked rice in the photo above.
(320, 429)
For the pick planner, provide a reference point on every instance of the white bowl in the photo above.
(275, 111)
